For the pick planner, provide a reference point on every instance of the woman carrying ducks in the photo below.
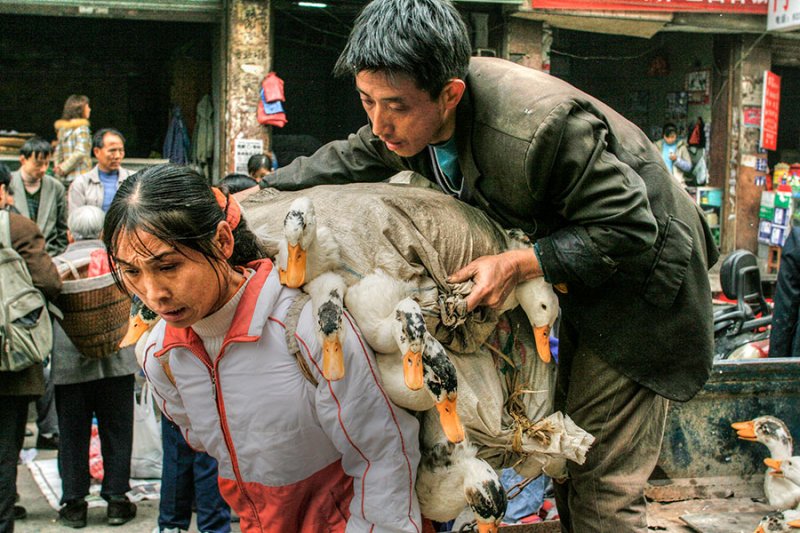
(296, 452)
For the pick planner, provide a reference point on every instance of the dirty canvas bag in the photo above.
(147, 453)
(420, 235)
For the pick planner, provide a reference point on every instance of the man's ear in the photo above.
(452, 93)
(70, 238)
(94, 152)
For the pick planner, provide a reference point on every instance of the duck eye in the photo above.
(544, 307)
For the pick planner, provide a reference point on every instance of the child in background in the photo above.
(259, 165)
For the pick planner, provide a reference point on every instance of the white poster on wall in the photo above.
(243, 150)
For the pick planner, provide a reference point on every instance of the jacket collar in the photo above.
(260, 295)
(71, 123)
(46, 197)
(94, 174)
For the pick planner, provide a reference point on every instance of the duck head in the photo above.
(140, 320)
(441, 382)
(300, 230)
(768, 430)
(486, 497)
(540, 304)
(780, 521)
(409, 332)
(786, 468)
(327, 295)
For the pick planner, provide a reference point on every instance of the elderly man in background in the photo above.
(92, 387)
(98, 186)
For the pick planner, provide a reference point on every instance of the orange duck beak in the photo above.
(745, 430)
(412, 370)
(295, 274)
(136, 328)
(542, 336)
(775, 465)
(448, 418)
(332, 359)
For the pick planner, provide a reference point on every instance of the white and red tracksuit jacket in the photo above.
(292, 457)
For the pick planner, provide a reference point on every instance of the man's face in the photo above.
(404, 116)
(5, 198)
(671, 138)
(34, 166)
(110, 156)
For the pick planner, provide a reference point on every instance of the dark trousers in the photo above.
(606, 493)
(46, 417)
(13, 415)
(111, 401)
(186, 476)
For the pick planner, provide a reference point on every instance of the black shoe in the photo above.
(73, 514)
(120, 511)
(20, 513)
(47, 443)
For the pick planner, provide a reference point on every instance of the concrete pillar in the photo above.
(742, 196)
(523, 42)
(249, 59)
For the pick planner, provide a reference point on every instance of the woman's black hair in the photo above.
(233, 183)
(174, 204)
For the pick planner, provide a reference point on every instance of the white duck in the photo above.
(772, 433)
(307, 253)
(780, 522)
(788, 469)
(451, 477)
(540, 304)
(393, 324)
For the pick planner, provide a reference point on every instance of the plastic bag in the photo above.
(147, 453)
(95, 457)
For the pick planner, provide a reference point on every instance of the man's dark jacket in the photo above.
(784, 340)
(590, 187)
(29, 243)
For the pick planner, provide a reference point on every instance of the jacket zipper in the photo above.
(216, 393)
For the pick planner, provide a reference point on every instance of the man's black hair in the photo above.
(233, 183)
(97, 139)
(37, 147)
(668, 129)
(5, 175)
(424, 39)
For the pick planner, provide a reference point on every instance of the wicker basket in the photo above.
(95, 314)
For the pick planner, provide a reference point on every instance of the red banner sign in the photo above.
(757, 7)
(770, 107)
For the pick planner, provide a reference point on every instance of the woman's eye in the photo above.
(165, 268)
(130, 272)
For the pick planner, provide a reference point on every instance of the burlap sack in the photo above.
(419, 234)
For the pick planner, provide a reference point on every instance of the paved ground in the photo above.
(42, 517)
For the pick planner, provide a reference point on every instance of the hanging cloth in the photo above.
(271, 98)
(203, 147)
(176, 143)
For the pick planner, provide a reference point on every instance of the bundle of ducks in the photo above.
(394, 307)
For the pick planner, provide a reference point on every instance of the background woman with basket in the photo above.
(92, 376)
(73, 152)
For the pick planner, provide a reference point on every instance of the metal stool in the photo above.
(773, 259)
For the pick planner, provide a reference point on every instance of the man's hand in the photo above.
(495, 276)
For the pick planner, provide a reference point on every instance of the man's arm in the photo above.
(61, 241)
(29, 243)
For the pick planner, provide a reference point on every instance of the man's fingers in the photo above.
(466, 273)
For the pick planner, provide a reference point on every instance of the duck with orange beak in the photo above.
(780, 522)
(772, 433)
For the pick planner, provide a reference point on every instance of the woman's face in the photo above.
(87, 111)
(179, 284)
